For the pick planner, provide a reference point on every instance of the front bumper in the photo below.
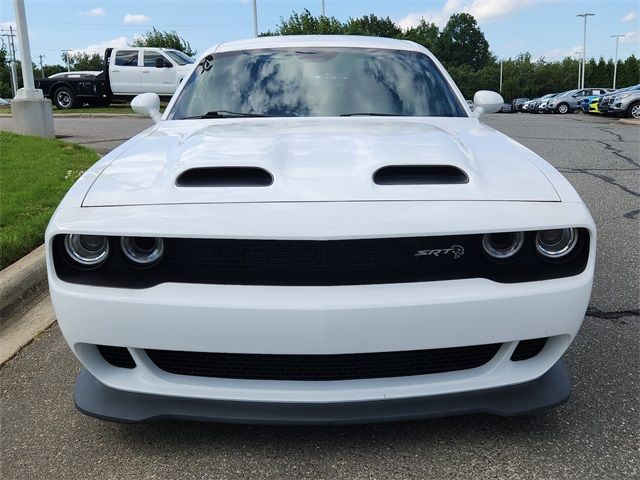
(94, 399)
(322, 320)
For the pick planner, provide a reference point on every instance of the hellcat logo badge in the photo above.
(456, 250)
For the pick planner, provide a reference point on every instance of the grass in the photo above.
(35, 173)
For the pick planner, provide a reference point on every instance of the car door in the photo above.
(155, 79)
(124, 72)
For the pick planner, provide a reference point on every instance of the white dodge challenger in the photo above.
(319, 230)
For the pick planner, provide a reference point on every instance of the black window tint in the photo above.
(127, 58)
(315, 82)
(150, 58)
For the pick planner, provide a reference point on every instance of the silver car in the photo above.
(626, 103)
(570, 101)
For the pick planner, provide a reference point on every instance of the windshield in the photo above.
(179, 57)
(314, 82)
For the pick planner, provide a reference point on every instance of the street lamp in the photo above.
(615, 60)
(584, 45)
(579, 66)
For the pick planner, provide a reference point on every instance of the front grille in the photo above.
(527, 349)
(117, 356)
(320, 263)
(323, 367)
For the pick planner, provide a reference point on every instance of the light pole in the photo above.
(66, 55)
(615, 60)
(255, 19)
(579, 66)
(500, 76)
(584, 45)
(41, 66)
(323, 8)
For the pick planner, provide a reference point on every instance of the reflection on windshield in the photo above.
(318, 82)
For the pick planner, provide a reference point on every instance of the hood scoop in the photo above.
(225, 177)
(420, 175)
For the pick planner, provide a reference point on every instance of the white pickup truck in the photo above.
(128, 72)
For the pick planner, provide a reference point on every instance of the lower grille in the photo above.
(527, 349)
(323, 367)
(117, 356)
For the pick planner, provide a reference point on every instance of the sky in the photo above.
(545, 28)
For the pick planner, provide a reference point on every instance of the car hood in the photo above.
(320, 159)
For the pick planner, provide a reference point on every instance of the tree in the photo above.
(163, 39)
(306, 24)
(426, 34)
(372, 26)
(461, 42)
(84, 61)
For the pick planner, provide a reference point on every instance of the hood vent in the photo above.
(225, 177)
(419, 175)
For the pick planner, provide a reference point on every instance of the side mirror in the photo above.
(487, 101)
(147, 104)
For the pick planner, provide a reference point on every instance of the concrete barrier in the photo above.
(21, 280)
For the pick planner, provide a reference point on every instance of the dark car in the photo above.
(517, 103)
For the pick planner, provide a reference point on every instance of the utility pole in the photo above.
(14, 75)
(584, 45)
(31, 112)
(500, 76)
(255, 19)
(615, 60)
(41, 67)
(66, 56)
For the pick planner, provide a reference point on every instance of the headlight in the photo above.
(142, 251)
(556, 243)
(502, 245)
(87, 250)
(620, 97)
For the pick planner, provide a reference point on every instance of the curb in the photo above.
(88, 115)
(22, 279)
(629, 121)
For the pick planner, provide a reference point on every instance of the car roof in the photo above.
(284, 41)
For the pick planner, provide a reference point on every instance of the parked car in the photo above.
(526, 106)
(319, 230)
(626, 103)
(592, 106)
(541, 107)
(605, 100)
(568, 102)
(533, 105)
(506, 108)
(127, 72)
(518, 103)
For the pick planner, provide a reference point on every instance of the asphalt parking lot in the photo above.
(595, 435)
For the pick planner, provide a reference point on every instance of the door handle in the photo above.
(146, 71)
(115, 71)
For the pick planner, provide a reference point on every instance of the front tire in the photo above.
(562, 108)
(634, 110)
(64, 98)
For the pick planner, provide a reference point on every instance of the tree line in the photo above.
(460, 45)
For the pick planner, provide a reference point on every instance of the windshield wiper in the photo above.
(224, 114)
(372, 114)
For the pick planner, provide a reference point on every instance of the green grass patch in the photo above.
(35, 173)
